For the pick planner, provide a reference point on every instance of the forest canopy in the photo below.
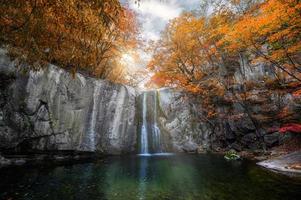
(88, 35)
(199, 52)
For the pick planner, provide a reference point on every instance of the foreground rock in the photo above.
(287, 164)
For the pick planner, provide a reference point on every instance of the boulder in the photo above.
(190, 147)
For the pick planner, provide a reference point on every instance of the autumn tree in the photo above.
(182, 57)
(77, 35)
(272, 32)
(204, 53)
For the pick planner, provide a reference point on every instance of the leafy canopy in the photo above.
(86, 35)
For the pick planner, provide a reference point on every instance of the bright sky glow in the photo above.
(155, 14)
(127, 58)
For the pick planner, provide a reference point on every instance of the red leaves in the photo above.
(291, 127)
(297, 93)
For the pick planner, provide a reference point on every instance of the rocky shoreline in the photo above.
(11, 160)
(287, 163)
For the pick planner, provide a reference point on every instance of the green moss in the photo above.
(232, 155)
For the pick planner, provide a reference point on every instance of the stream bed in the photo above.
(166, 177)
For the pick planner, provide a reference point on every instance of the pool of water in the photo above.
(187, 177)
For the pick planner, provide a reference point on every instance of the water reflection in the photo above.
(142, 177)
(172, 177)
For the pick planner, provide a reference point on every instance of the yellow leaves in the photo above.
(86, 35)
(211, 113)
(193, 89)
(160, 79)
(185, 53)
(275, 23)
(296, 47)
(192, 49)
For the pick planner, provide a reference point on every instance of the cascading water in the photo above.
(156, 130)
(150, 138)
(144, 135)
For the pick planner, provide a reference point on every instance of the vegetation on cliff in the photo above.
(197, 52)
(213, 55)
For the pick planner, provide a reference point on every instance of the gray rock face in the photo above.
(52, 110)
(180, 119)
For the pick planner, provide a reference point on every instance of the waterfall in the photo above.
(144, 135)
(92, 125)
(156, 130)
(150, 138)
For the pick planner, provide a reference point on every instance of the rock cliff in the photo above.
(51, 110)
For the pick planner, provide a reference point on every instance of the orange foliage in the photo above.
(184, 55)
(201, 54)
(271, 31)
(297, 93)
(86, 35)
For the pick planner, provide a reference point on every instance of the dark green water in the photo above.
(189, 177)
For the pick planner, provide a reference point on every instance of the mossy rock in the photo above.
(232, 155)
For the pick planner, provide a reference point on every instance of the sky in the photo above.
(155, 14)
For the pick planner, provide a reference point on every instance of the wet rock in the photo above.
(272, 139)
(4, 161)
(190, 147)
(236, 147)
(249, 138)
(19, 161)
(201, 150)
(230, 135)
(284, 164)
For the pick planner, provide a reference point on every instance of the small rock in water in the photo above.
(4, 161)
(20, 162)
(232, 155)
